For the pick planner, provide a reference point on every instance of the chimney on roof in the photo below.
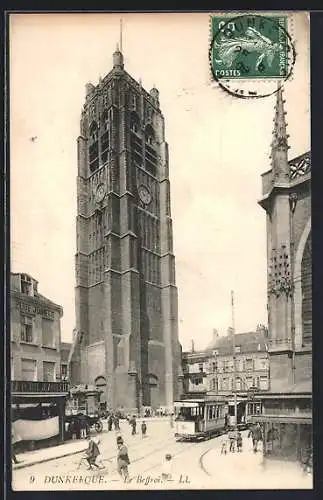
(215, 334)
(230, 331)
(262, 329)
(193, 347)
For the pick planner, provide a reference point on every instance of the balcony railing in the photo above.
(41, 387)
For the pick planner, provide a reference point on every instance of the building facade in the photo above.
(35, 332)
(38, 396)
(251, 360)
(286, 200)
(195, 367)
(126, 296)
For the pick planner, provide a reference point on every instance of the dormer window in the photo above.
(26, 285)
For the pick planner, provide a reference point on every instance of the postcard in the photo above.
(161, 279)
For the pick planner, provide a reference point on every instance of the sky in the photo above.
(219, 146)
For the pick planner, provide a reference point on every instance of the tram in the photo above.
(199, 418)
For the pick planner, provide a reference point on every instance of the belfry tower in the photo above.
(126, 296)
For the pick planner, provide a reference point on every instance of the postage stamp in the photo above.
(250, 47)
(250, 53)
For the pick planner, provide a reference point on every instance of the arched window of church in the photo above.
(105, 140)
(134, 122)
(307, 291)
(151, 155)
(136, 140)
(149, 135)
(93, 147)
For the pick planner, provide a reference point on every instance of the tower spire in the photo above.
(279, 145)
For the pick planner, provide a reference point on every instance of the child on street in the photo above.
(167, 467)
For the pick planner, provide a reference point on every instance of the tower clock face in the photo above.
(144, 194)
(99, 193)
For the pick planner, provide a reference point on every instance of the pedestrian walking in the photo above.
(167, 467)
(83, 428)
(256, 436)
(133, 424)
(122, 459)
(143, 429)
(110, 421)
(116, 423)
(72, 429)
(171, 421)
(224, 445)
(239, 442)
(232, 440)
(92, 453)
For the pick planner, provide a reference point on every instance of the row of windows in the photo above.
(28, 333)
(241, 365)
(226, 384)
(29, 370)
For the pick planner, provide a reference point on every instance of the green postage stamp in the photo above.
(249, 47)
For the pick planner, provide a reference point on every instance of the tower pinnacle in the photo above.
(117, 55)
(279, 145)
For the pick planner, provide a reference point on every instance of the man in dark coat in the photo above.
(92, 454)
(122, 459)
(256, 435)
(133, 424)
(110, 421)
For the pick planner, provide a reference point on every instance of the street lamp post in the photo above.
(234, 385)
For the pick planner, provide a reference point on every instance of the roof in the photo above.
(248, 342)
(66, 345)
(37, 298)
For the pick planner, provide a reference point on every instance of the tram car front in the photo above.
(199, 418)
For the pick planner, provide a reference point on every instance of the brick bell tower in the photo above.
(279, 205)
(126, 296)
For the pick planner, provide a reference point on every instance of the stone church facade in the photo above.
(126, 337)
(287, 407)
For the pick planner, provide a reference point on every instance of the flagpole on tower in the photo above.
(121, 32)
(234, 359)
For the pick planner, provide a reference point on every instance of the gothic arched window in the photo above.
(134, 122)
(94, 147)
(149, 135)
(105, 137)
(151, 155)
(136, 141)
(307, 291)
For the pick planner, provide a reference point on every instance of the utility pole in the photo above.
(234, 359)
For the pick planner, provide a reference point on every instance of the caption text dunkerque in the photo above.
(81, 479)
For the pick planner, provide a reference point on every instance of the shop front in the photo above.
(38, 413)
(287, 426)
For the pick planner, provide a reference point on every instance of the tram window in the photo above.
(217, 412)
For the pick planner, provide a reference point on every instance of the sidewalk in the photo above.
(29, 458)
(249, 470)
(72, 447)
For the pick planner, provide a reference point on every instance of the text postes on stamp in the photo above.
(249, 53)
